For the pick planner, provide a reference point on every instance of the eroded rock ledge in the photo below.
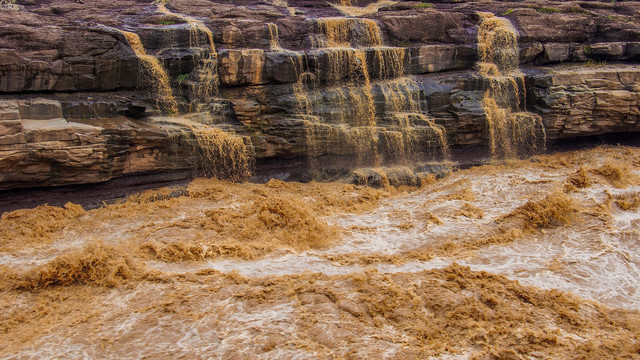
(78, 106)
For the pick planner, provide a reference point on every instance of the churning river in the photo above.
(515, 259)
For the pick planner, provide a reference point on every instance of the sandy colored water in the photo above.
(530, 259)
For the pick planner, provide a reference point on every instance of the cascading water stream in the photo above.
(346, 33)
(221, 155)
(512, 130)
(205, 80)
(216, 153)
(160, 79)
(274, 37)
(348, 9)
(196, 26)
(351, 50)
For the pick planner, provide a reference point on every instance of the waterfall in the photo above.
(512, 130)
(196, 27)
(284, 4)
(164, 95)
(216, 153)
(399, 97)
(204, 81)
(220, 154)
(274, 37)
(350, 90)
(346, 32)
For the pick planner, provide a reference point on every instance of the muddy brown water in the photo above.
(527, 259)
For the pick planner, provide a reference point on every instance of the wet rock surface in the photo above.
(77, 101)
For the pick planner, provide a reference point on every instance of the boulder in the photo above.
(435, 58)
(242, 67)
(556, 52)
(606, 51)
(530, 52)
(382, 177)
(284, 66)
(40, 109)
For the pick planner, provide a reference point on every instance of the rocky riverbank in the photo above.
(301, 84)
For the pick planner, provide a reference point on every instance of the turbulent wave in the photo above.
(515, 259)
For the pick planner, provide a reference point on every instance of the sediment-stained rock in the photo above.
(76, 99)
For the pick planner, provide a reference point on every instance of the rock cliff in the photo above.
(93, 90)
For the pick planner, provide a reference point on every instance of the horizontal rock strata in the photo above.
(79, 105)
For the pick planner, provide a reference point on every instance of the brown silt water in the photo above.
(511, 130)
(533, 258)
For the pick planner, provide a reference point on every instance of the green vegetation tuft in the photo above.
(587, 49)
(593, 63)
(424, 5)
(547, 10)
(573, 10)
(182, 77)
(508, 12)
(167, 22)
(577, 10)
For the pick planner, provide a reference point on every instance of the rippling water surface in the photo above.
(535, 259)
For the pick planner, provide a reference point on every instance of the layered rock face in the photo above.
(89, 92)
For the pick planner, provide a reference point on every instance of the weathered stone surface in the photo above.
(435, 58)
(57, 152)
(10, 127)
(432, 58)
(40, 109)
(242, 67)
(530, 52)
(90, 109)
(607, 51)
(276, 136)
(555, 27)
(9, 110)
(402, 29)
(284, 66)
(171, 36)
(556, 52)
(589, 102)
(72, 83)
(246, 107)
